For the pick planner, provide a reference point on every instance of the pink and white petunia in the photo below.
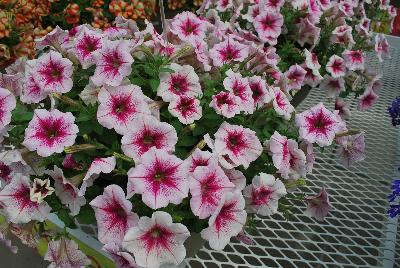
(161, 178)
(40, 190)
(66, 191)
(228, 51)
(367, 100)
(324, 4)
(187, 109)
(336, 66)
(6, 174)
(239, 86)
(121, 258)
(252, 12)
(286, 156)
(7, 105)
(207, 186)
(319, 125)
(50, 132)
(240, 145)
(333, 86)
(381, 47)
(85, 44)
(343, 107)
(53, 73)
(113, 63)
(308, 150)
(227, 221)
(145, 133)
(351, 148)
(282, 104)
(54, 38)
(32, 92)
(16, 202)
(223, 5)
(268, 25)
(200, 159)
(113, 214)
(318, 205)
(182, 82)
(99, 165)
(263, 193)
(354, 59)
(272, 5)
(13, 159)
(260, 93)
(342, 35)
(64, 253)
(236, 177)
(186, 25)
(311, 60)
(89, 94)
(226, 104)
(295, 76)
(308, 33)
(12, 82)
(69, 162)
(312, 78)
(119, 106)
(157, 241)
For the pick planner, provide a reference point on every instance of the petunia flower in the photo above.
(236, 177)
(53, 73)
(12, 82)
(295, 76)
(119, 106)
(207, 186)
(64, 253)
(318, 205)
(336, 66)
(17, 205)
(66, 191)
(187, 109)
(227, 221)
(281, 104)
(7, 105)
(252, 12)
(272, 5)
(54, 38)
(13, 159)
(85, 44)
(69, 162)
(268, 26)
(145, 133)
(308, 33)
(351, 148)
(324, 4)
(239, 86)
(32, 91)
(367, 100)
(312, 77)
(182, 82)
(343, 108)
(113, 63)
(333, 86)
(263, 193)
(99, 165)
(223, 5)
(342, 35)
(50, 132)
(228, 51)
(6, 174)
(200, 159)
(113, 214)
(186, 25)
(121, 258)
(40, 190)
(161, 178)
(311, 60)
(308, 150)
(286, 156)
(319, 125)
(240, 145)
(89, 94)
(381, 46)
(202, 52)
(226, 104)
(157, 241)
(260, 92)
(354, 59)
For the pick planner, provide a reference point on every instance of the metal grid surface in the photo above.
(357, 232)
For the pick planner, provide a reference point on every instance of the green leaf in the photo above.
(199, 130)
(166, 70)
(64, 216)
(187, 141)
(154, 83)
(86, 215)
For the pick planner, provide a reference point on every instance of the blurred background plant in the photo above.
(23, 21)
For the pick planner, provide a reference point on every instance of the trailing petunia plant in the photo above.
(157, 138)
